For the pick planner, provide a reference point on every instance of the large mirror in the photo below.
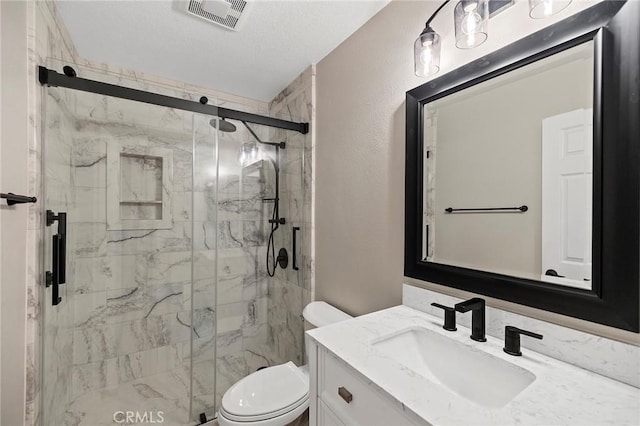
(523, 171)
(508, 168)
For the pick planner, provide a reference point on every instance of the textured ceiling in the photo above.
(276, 42)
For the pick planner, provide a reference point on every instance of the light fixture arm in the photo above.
(433, 15)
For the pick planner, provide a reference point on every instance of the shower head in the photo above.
(224, 125)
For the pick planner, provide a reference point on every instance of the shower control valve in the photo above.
(283, 258)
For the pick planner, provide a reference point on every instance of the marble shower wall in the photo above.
(290, 290)
(132, 288)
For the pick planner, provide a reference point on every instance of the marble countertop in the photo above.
(561, 394)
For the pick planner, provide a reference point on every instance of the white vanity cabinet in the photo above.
(340, 396)
(355, 381)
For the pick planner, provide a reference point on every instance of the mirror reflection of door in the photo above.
(567, 170)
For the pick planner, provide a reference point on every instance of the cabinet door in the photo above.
(353, 398)
(326, 416)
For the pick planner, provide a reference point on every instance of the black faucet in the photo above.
(476, 305)
(512, 339)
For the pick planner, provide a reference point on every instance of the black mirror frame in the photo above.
(614, 299)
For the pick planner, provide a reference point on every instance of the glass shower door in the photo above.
(117, 346)
(288, 291)
(258, 316)
(160, 246)
(202, 298)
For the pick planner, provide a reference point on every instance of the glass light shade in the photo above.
(543, 8)
(471, 21)
(426, 53)
(248, 154)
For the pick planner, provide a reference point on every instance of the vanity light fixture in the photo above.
(471, 19)
(426, 52)
(426, 49)
(545, 8)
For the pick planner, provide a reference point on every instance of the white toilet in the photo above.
(276, 396)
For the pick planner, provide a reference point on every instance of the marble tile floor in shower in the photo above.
(163, 398)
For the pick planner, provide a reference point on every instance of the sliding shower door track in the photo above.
(54, 79)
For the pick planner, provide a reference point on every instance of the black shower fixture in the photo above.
(275, 220)
(222, 125)
(283, 258)
(219, 123)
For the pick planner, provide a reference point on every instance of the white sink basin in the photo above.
(473, 374)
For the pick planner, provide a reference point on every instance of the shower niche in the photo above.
(139, 187)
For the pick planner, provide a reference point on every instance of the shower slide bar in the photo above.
(70, 81)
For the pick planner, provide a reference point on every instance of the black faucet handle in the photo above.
(449, 317)
(512, 339)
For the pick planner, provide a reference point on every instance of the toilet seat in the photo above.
(280, 417)
(278, 391)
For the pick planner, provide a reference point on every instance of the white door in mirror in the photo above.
(567, 176)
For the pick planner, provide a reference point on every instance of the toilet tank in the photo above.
(319, 314)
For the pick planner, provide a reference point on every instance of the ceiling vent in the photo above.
(226, 13)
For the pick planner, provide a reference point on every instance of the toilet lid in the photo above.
(267, 393)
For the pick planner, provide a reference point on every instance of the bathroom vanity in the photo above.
(399, 366)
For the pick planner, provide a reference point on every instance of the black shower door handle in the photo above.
(295, 252)
(55, 270)
(62, 233)
(58, 274)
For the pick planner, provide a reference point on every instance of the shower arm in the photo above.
(280, 145)
(276, 165)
